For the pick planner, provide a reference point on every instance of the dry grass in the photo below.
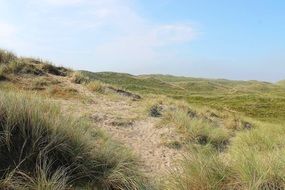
(54, 70)
(79, 78)
(41, 149)
(6, 56)
(96, 86)
(44, 150)
(58, 91)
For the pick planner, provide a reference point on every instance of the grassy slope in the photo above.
(43, 148)
(133, 83)
(247, 165)
(261, 100)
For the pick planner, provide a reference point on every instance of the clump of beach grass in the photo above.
(46, 150)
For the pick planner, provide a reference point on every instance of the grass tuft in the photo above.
(198, 130)
(79, 78)
(20, 67)
(6, 56)
(33, 131)
(201, 169)
(96, 86)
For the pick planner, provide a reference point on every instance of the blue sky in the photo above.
(234, 39)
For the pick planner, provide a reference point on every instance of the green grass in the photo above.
(20, 67)
(233, 132)
(132, 83)
(260, 100)
(257, 157)
(43, 149)
(254, 160)
(199, 129)
(262, 107)
(224, 150)
(11, 64)
(79, 78)
(201, 169)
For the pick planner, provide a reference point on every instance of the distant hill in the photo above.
(262, 100)
(136, 83)
(257, 99)
(184, 85)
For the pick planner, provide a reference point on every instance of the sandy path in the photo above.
(145, 139)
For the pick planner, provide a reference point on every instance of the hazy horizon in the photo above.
(236, 40)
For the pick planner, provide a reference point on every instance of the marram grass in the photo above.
(44, 149)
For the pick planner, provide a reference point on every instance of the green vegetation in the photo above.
(263, 107)
(253, 161)
(42, 149)
(231, 132)
(132, 83)
(79, 78)
(21, 67)
(201, 170)
(226, 151)
(11, 64)
(260, 100)
(198, 127)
